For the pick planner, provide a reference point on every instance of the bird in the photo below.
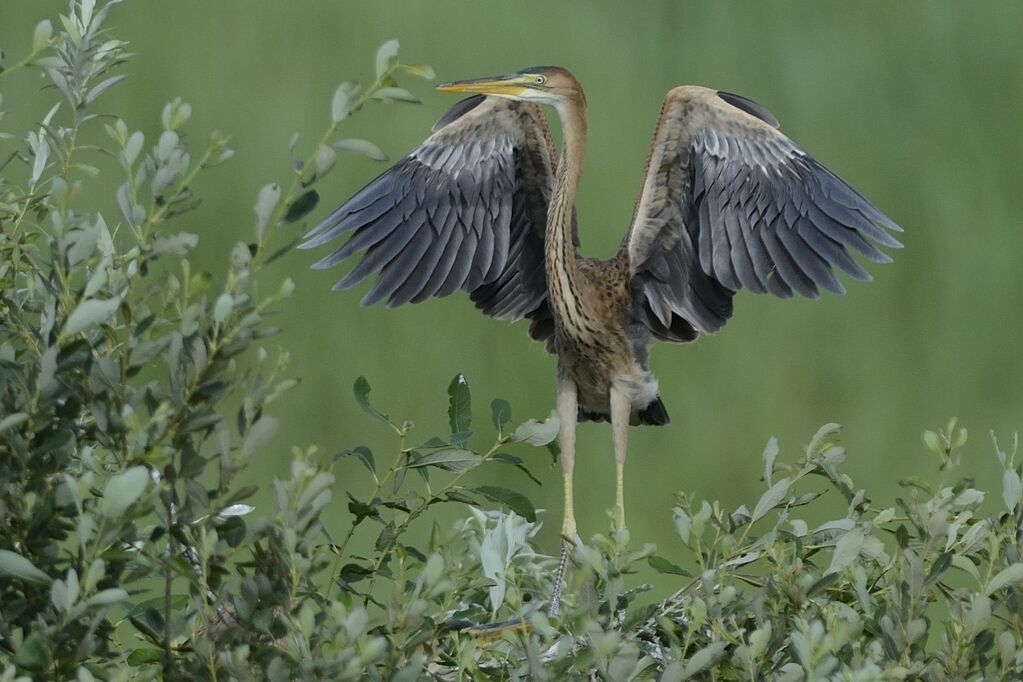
(486, 205)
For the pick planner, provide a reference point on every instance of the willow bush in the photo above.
(134, 389)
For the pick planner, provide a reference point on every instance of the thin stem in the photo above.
(378, 486)
(24, 62)
(415, 513)
(155, 215)
(168, 578)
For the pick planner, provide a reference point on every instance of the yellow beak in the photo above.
(502, 85)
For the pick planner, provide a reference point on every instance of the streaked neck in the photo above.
(561, 266)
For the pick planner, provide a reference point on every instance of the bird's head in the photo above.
(540, 84)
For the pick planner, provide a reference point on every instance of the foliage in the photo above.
(134, 390)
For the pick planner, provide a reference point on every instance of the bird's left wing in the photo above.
(729, 202)
(465, 210)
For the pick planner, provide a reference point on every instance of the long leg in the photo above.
(567, 407)
(621, 407)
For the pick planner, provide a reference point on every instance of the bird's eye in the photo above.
(541, 79)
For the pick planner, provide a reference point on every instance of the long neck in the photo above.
(570, 167)
(561, 267)
(572, 115)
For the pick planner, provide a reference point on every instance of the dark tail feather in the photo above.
(654, 414)
(585, 415)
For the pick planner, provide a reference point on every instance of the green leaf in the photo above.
(122, 490)
(515, 501)
(662, 565)
(939, 566)
(964, 564)
(85, 9)
(449, 459)
(166, 144)
(537, 433)
(683, 524)
(261, 432)
(500, 413)
(13, 565)
(98, 90)
(1013, 575)
(34, 653)
(424, 71)
(770, 453)
(354, 145)
(846, 550)
(674, 672)
(342, 101)
(324, 160)
(459, 405)
(133, 146)
(516, 462)
(12, 420)
(704, 658)
(89, 313)
(301, 207)
(822, 583)
(363, 454)
(266, 202)
(774, 495)
(759, 639)
(144, 656)
(396, 95)
(40, 153)
(825, 437)
(42, 34)
(107, 597)
(385, 539)
(223, 307)
(175, 244)
(1012, 487)
(457, 495)
(362, 390)
(387, 58)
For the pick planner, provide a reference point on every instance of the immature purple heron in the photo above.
(483, 205)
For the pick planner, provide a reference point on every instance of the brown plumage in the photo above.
(728, 202)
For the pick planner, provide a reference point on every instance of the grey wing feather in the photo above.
(465, 210)
(730, 203)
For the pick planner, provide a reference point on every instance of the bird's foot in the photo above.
(487, 631)
(568, 542)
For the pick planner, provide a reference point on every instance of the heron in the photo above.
(486, 205)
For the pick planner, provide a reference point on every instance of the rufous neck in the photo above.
(573, 129)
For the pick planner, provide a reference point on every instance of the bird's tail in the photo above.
(654, 414)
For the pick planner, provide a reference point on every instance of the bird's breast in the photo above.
(591, 335)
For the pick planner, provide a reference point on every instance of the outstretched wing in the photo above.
(465, 210)
(728, 203)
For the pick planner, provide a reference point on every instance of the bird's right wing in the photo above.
(465, 210)
(729, 202)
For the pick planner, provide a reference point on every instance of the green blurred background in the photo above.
(916, 104)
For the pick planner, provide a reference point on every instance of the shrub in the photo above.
(133, 390)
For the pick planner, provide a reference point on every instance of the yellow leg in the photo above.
(567, 414)
(568, 528)
(621, 407)
(620, 495)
